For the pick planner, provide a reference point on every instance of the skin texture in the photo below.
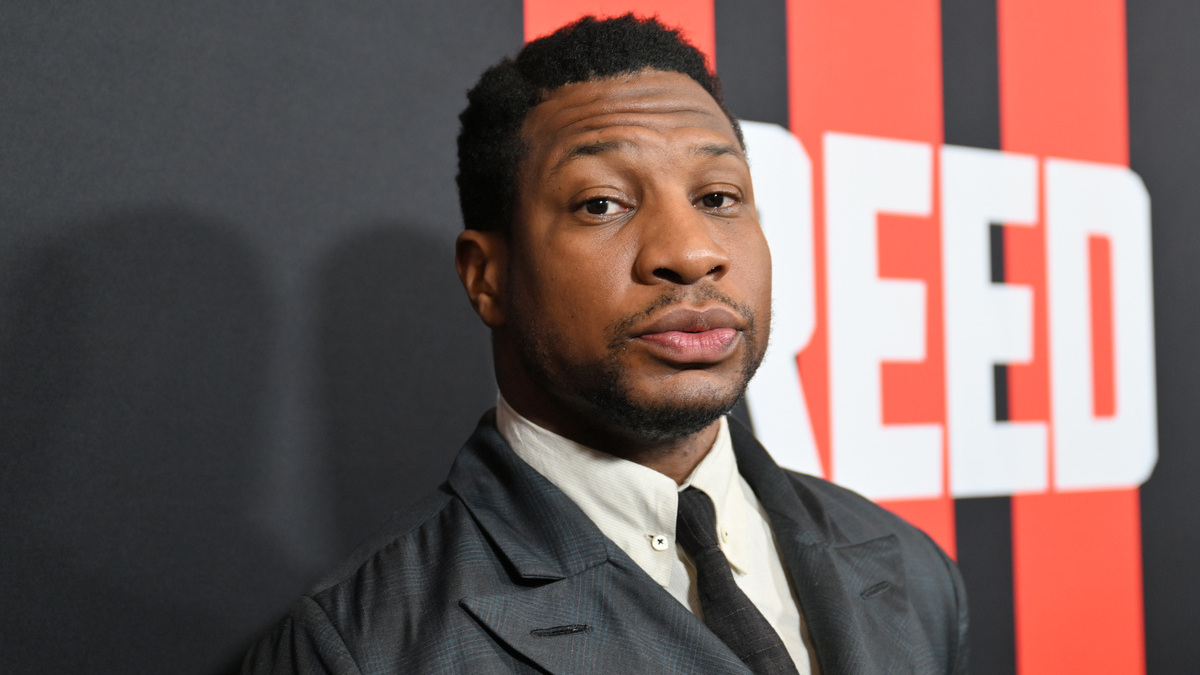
(630, 304)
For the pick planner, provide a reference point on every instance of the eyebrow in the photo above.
(715, 150)
(585, 150)
(601, 147)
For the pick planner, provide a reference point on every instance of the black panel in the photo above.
(984, 539)
(230, 334)
(996, 252)
(752, 58)
(1000, 391)
(983, 526)
(379, 290)
(970, 74)
(999, 371)
(1164, 97)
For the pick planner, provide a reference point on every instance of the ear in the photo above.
(482, 259)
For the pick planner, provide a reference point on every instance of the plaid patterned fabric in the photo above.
(499, 572)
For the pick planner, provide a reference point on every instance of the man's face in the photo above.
(637, 292)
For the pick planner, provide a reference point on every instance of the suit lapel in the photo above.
(607, 619)
(576, 602)
(535, 528)
(855, 603)
(853, 593)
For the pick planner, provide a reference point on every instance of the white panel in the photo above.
(873, 320)
(1084, 199)
(782, 174)
(986, 323)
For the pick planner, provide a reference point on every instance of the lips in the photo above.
(692, 336)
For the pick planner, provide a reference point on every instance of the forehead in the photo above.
(625, 108)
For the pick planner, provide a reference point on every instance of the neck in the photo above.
(675, 459)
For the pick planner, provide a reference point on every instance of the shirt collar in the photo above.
(631, 504)
(717, 476)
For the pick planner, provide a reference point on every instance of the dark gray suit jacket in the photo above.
(499, 572)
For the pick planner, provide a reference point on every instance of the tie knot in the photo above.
(696, 522)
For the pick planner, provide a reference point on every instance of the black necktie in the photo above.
(727, 610)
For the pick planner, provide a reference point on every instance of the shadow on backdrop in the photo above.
(405, 371)
(134, 357)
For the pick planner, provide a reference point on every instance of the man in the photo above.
(607, 517)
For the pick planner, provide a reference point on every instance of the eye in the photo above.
(716, 200)
(602, 206)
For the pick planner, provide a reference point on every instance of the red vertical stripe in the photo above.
(696, 18)
(1104, 399)
(874, 67)
(909, 248)
(1077, 564)
(1062, 78)
(1077, 557)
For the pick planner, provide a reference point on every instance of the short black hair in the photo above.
(490, 146)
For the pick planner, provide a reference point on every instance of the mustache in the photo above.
(619, 330)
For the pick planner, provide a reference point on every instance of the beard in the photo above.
(604, 384)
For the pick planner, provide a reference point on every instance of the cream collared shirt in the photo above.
(635, 507)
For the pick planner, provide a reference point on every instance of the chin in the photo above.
(665, 419)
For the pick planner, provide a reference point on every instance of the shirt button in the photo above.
(660, 542)
(724, 535)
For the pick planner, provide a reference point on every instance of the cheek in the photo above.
(764, 278)
(574, 292)
(756, 272)
(586, 273)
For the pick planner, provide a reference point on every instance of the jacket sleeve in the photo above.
(959, 653)
(305, 642)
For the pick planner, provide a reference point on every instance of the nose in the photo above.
(677, 246)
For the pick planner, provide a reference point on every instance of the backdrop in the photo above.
(232, 341)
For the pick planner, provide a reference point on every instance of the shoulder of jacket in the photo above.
(849, 515)
(397, 538)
